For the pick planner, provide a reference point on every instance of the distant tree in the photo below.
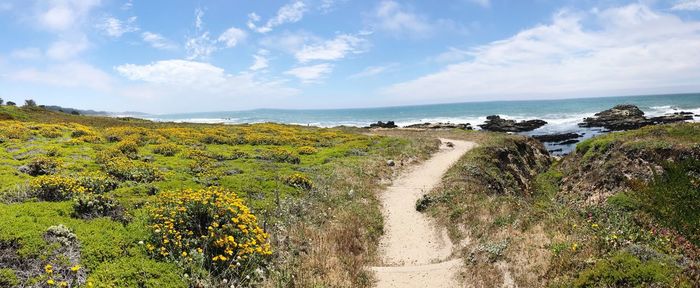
(75, 112)
(29, 103)
(10, 103)
(1, 101)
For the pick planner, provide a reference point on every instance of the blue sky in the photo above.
(186, 56)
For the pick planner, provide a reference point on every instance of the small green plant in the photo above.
(424, 202)
(626, 270)
(8, 278)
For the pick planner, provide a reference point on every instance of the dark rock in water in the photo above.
(620, 117)
(498, 124)
(555, 150)
(626, 117)
(440, 125)
(557, 137)
(671, 118)
(569, 142)
(380, 124)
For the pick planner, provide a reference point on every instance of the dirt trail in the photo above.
(414, 252)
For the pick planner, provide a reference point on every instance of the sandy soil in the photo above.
(414, 252)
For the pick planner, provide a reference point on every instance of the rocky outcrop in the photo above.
(560, 137)
(497, 124)
(620, 117)
(609, 164)
(672, 118)
(440, 125)
(506, 167)
(380, 124)
(627, 117)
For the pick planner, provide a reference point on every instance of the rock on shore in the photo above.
(380, 124)
(498, 124)
(561, 137)
(626, 117)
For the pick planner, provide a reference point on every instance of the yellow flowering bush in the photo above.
(55, 188)
(300, 181)
(210, 224)
(128, 146)
(14, 130)
(307, 150)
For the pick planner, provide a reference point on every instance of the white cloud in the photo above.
(62, 15)
(687, 5)
(114, 27)
(451, 55)
(289, 42)
(67, 48)
(232, 36)
(311, 74)
(373, 71)
(201, 85)
(175, 72)
(200, 47)
(70, 74)
(198, 14)
(333, 49)
(290, 13)
(157, 41)
(634, 50)
(392, 17)
(128, 5)
(29, 53)
(260, 61)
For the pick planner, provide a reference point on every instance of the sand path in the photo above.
(414, 252)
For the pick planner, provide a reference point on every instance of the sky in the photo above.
(160, 56)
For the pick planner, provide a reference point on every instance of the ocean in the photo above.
(561, 115)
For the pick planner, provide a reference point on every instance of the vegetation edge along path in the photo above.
(414, 251)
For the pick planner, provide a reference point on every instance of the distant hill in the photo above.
(90, 112)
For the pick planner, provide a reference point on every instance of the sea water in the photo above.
(561, 115)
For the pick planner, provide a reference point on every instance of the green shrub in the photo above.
(130, 170)
(97, 182)
(166, 149)
(89, 205)
(40, 166)
(280, 155)
(673, 198)
(625, 270)
(623, 201)
(137, 272)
